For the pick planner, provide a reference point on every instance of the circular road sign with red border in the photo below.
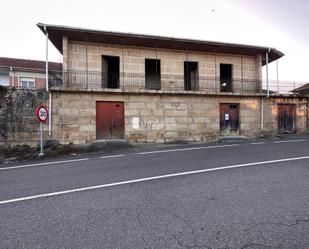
(41, 113)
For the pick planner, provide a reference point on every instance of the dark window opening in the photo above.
(226, 81)
(110, 71)
(191, 75)
(152, 74)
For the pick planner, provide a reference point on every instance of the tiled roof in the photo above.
(28, 65)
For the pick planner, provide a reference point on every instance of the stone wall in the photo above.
(271, 112)
(162, 118)
(18, 124)
(87, 56)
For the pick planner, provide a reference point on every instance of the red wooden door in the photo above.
(110, 119)
(286, 118)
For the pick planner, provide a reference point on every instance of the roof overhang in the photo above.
(56, 33)
(304, 89)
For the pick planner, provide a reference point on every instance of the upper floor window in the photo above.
(152, 74)
(27, 82)
(226, 78)
(110, 71)
(4, 78)
(191, 76)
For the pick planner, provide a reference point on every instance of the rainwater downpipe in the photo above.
(262, 113)
(267, 80)
(267, 86)
(12, 77)
(306, 112)
(47, 87)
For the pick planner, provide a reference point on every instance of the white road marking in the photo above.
(290, 141)
(44, 164)
(229, 141)
(150, 179)
(186, 149)
(111, 156)
(145, 153)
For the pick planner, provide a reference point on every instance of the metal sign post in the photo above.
(41, 140)
(42, 115)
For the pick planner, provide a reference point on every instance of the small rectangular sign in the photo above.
(135, 123)
(226, 116)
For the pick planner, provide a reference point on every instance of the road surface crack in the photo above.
(155, 207)
(297, 222)
(259, 245)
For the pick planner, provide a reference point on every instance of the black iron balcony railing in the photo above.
(132, 82)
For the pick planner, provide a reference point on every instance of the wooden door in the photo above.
(110, 119)
(286, 118)
(229, 119)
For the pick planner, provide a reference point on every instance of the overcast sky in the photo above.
(280, 24)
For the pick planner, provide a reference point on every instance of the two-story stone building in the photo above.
(163, 89)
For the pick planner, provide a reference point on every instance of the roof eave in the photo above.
(139, 40)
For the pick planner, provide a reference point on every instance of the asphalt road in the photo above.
(252, 195)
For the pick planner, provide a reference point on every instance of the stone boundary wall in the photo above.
(271, 113)
(18, 124)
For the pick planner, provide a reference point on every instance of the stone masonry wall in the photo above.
(271, 113)
(162, 118)
(18, 124)
(87, 56)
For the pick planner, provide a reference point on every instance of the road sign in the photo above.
(42, 113)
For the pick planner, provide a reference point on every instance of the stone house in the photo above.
(27, 74)
(161, 89)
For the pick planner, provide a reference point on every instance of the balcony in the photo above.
(135, 83)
